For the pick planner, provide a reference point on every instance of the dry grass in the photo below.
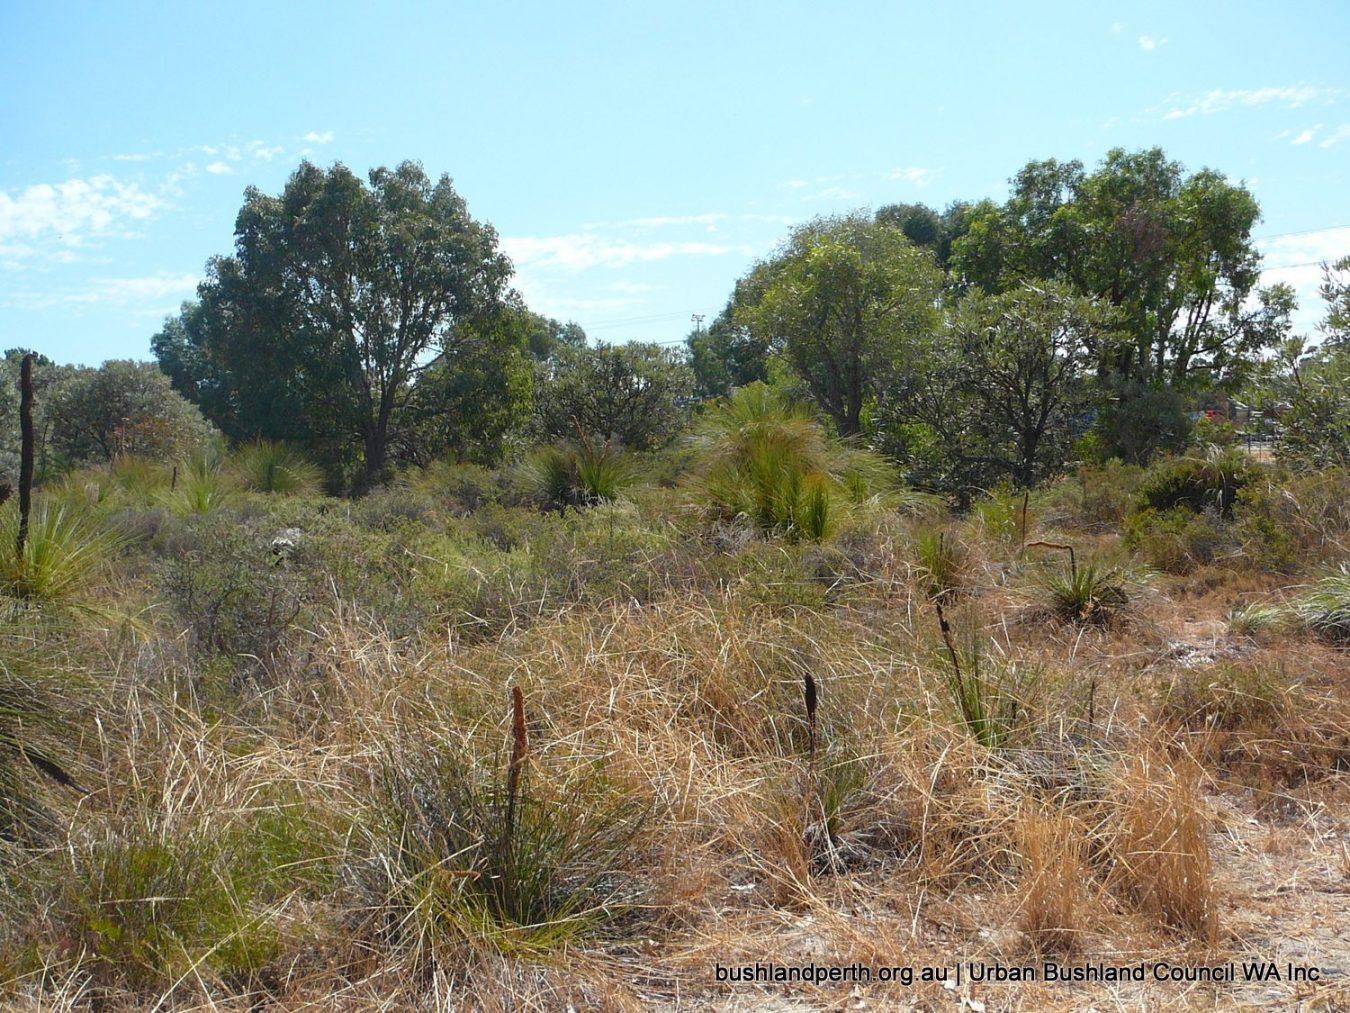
(355, 824)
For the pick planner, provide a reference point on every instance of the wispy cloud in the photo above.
(834, 193)
(1148, 43)
(74, 211)
(1117, 28)
(319, 137)
(914, 174)
(664, 221)
(1341, 133)
(220, 169)
(581, 251)
(146, 293)
(1297, 260)
(1306, 135)
(1221, 100)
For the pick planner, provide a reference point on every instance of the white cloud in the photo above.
(1117, 28)
(140, 156)
(916, 175)
(73, 211)
(1296, 260)
(1307, 135)
(220, 169)
(1341, 133)
(1148, 43)
(662, 221)
(315, 137)
(1221, 100)
(257, 149)
(579, 252)
(835, 193)
(128, 290)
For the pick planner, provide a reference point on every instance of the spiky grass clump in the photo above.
(275, 468)
(62, 553)
(1087, 595)
(201, 486)
(941, 564)
(771, 462)
(579, 473)
(490, 855)
(1325, 607)
(993, 696)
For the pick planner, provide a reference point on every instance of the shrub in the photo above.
(275, 468)
(1325, 607)
(1178, 540)
(1196, 484)
(494, 852)
(772, 463)
(1086, 595)
(579, 473)
(63, 551)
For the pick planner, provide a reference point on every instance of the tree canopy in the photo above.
(842, 301)
(338, 296)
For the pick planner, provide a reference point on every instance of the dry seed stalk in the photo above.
(520, 747)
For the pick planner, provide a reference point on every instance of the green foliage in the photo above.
(526, 869)
(846, 301)
(231, 593)
(64, 550)
(320, 324)
(123, 407)
(994, 696)
(1325, 607)
(773, 464)
(149, 905)
(1177, 540)
(1087, 595)
(201, 486)
(634, 394)
(579, 473)
(726, 355)
(941, 560)
(1196, 484)
(1003, 397)
(1172, 253)
(270, 467)
(1141, 421)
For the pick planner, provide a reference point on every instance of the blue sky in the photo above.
(634, 158)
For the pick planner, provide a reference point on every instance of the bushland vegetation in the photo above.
(937, 607)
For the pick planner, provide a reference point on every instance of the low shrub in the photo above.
(1196, 484)
(522, 856)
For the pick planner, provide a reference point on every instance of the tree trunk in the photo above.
(26, 447)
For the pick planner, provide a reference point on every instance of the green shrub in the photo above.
(1178, 540)
(1325, 607)
(275, 468)
(579, 473)
(526, 862)
(149, 907)
(772, 463)
(1087, 595)
(235, 597)
(63, 552)
(1196, 484)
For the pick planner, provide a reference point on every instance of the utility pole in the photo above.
(698, 324)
